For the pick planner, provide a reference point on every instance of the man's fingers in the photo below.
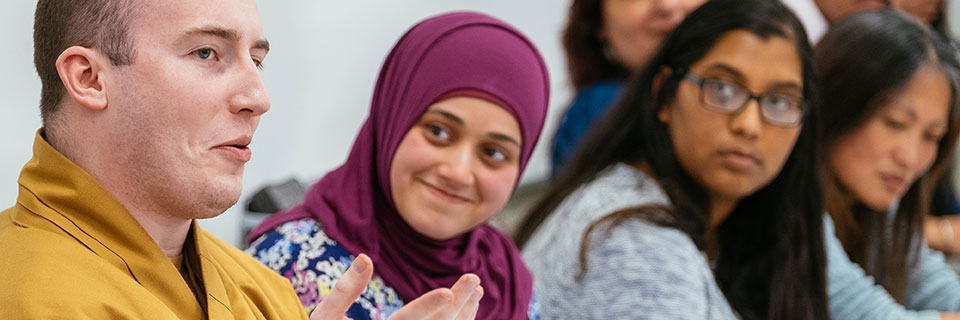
(469, 310)
(347, 289)
(427, 304)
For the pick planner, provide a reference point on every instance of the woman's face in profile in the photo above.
(879, 160)
(734, 152)
(456, 167)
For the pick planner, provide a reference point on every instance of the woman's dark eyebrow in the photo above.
(448, 115)
(733, 72)
(492, 135)
(906, 109)
(503, 137)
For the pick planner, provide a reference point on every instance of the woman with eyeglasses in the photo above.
(890, 114)
(697, 196)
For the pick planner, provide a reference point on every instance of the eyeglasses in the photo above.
(725, 97)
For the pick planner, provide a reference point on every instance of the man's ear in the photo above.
(664, 114)
(82, 71)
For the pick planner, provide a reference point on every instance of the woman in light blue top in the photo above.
(696, 197)
(889, 96)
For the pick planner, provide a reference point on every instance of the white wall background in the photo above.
(320, 73)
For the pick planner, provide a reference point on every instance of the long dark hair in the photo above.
(586, 61)
(865, 61)
(769, 258)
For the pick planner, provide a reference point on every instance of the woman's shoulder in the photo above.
(290, 241)
(605, 91)
(639, 241)
(300, 251)
(615, 188)
(640, 267)
(593, 101)
(618, 187)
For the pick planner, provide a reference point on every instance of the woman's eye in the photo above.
(933, 137)
(438, 132)
(894, 124)
(721, 91)
(495, 154)
(779, 104)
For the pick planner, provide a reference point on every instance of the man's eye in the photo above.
(204, 53)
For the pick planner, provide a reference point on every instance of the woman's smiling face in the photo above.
(456, 167)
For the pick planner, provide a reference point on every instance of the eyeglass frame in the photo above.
(699, 81)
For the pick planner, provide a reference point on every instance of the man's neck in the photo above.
(167, 231)
(169, 234)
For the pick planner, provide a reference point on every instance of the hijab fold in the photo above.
(461, 53)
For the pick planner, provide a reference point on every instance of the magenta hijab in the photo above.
(443, 55)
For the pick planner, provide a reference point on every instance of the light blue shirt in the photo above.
(932, 286)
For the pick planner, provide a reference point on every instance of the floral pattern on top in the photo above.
(300, 251)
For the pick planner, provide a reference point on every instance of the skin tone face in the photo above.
(925, 10)
(634, 29)
(834, 10)
(456, 167)
(878, 161)
(186, 109)
(734, 155)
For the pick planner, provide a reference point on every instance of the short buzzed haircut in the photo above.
(103, 25)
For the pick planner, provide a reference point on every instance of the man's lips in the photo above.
(236, 148)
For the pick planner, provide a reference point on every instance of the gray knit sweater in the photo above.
(636, 271)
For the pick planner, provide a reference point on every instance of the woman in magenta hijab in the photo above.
(457, 110)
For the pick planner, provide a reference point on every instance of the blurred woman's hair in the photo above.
(587, 63)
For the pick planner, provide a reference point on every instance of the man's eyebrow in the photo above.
(226, 34)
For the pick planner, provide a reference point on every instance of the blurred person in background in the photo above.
(888, 87)
(606, 40)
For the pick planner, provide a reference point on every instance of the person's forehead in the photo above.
(169, 19)
(743, 50)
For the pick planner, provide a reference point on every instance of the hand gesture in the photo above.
(459, 302)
